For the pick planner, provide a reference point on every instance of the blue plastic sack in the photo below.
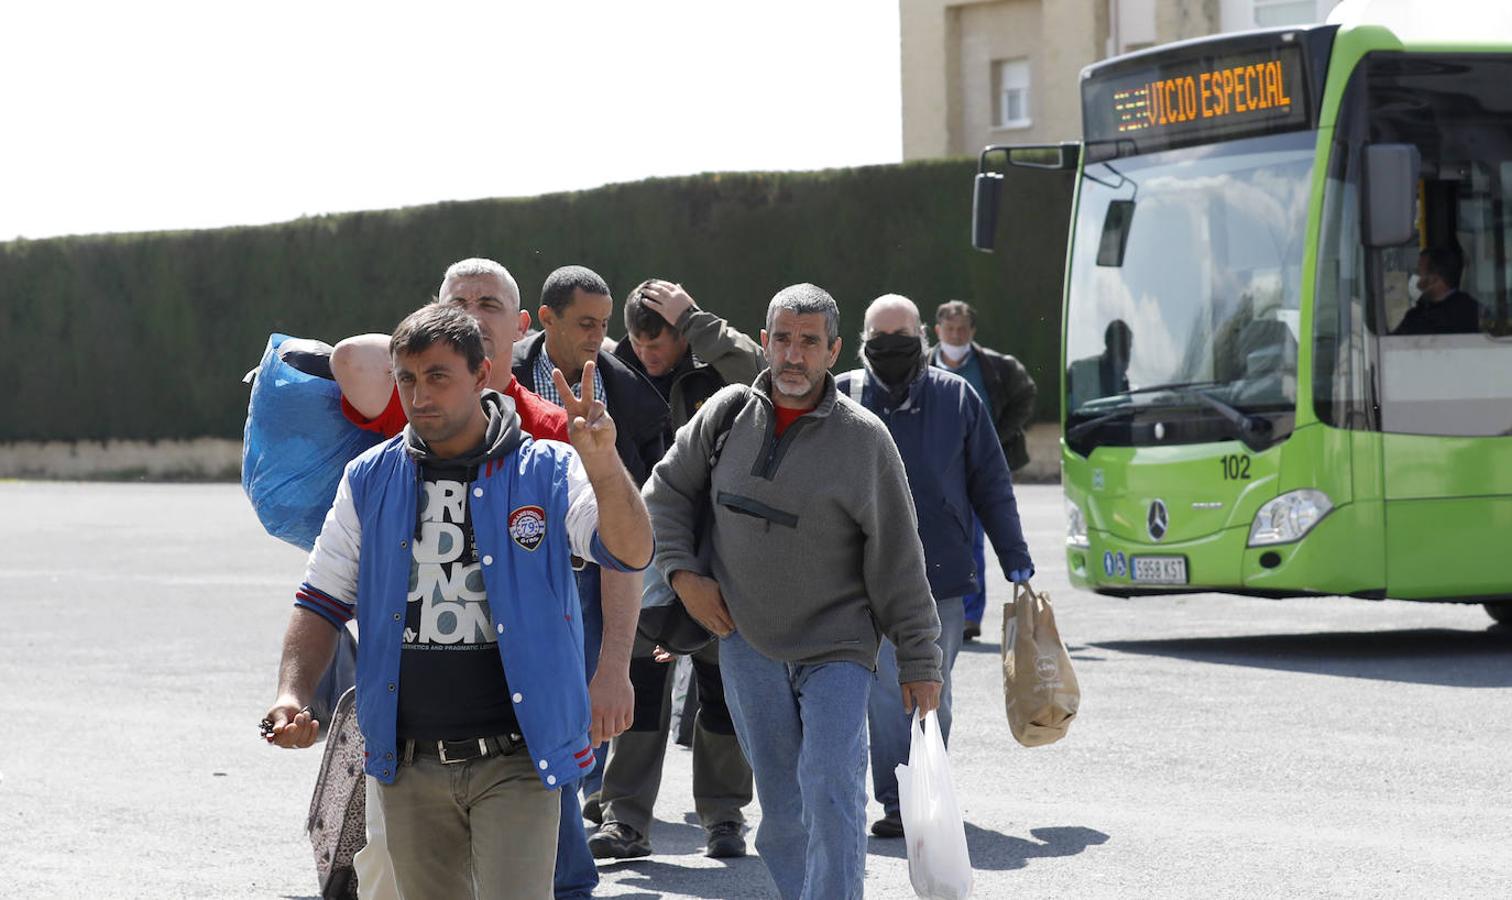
(297, 442)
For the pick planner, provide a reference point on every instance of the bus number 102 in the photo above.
(1236, 467)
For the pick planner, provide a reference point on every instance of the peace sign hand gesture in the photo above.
(589, 426)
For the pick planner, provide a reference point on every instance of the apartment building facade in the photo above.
(978, 72)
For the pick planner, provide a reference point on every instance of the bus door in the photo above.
(1445, 348)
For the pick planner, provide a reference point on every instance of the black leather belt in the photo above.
(465, 750)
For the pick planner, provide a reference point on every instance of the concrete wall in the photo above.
(949, 47)
(205, 459)
(1177, 20)
(948, 51)
(217, 459)
(927, 58)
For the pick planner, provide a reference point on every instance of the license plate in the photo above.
(1159, 569)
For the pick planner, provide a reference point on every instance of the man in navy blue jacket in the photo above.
(955, 466)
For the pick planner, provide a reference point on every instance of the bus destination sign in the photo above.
(1185, 101)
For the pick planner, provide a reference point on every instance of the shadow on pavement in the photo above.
(995, 649)
(994, 851)
(687, 881)
(1476, 659)
(677, 838)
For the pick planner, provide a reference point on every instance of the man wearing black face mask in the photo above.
(955, 466)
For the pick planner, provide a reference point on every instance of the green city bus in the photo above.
(1269, 385)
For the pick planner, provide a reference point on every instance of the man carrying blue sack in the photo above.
(470, 694)
(955, 467)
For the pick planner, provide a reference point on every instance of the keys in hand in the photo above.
(289, 726)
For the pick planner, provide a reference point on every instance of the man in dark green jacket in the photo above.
(688, 354)
(686, 351)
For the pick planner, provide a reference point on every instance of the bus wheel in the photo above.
(1501, 611)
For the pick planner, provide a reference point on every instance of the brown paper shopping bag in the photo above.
(1039, 685)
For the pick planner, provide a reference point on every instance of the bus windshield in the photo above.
(1186, 272)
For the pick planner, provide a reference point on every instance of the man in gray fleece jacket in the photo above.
(798, 546)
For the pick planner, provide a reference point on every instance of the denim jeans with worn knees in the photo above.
(803, 729)
(888, 724)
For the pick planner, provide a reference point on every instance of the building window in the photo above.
(1012, 79)
(1271, 13)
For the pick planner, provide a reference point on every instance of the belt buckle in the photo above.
(441, 749)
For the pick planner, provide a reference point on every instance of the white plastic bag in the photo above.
(938, 864)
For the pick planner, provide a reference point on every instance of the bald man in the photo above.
(950, 452)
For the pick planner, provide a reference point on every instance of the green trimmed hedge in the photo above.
(146, 336)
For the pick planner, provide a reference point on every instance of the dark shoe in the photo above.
(889, 826)
(725, 841)
(972, 632)
(593, 811)
(616, 840)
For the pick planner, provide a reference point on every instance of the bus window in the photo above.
(1208, 290)
(1446, 348)
(1343, 327)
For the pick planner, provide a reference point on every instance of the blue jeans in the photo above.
(976, 604)
(593, 639)
(801, 728)
(887, 723)
(576, 872)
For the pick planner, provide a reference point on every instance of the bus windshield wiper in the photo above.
(1253, 430)
(1175, 386)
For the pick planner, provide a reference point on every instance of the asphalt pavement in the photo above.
(1226, 746)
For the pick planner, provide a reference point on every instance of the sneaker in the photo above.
(725, 841)
(972, 631)
(616, 840)
(889, 826)
(593, 810)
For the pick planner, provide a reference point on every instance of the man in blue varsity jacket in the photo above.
(452, 544)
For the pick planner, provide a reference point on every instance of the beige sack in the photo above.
(1039, 686)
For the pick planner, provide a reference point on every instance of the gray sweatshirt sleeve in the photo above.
(896, 582)
(680, 484)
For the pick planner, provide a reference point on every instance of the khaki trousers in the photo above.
(485, 828)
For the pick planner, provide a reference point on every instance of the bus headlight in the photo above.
(1289, 517)
(1076, 526)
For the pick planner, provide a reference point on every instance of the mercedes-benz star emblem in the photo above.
(1158, 520)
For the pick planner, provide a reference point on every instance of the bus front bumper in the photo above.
(1340, 555)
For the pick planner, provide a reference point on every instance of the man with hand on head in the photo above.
(688, 354)
(452, 546)
(813, 550)
(956, 472)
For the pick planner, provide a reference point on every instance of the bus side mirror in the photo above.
(984, 209)
(1391, 178)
